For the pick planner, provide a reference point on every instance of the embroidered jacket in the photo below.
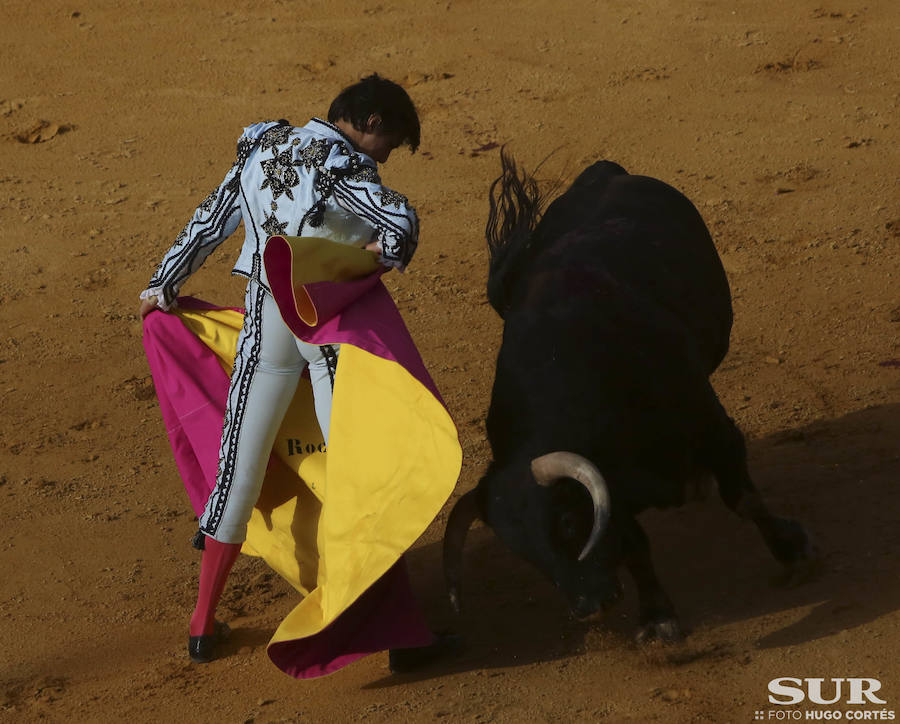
(307, 181)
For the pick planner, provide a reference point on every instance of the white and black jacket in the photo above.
(305, 181)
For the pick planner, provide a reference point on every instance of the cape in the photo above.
(333, 522)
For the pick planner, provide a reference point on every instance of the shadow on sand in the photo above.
(839, 477)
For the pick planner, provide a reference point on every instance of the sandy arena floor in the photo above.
(779, 120)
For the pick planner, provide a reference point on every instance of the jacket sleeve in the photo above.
(215, 220)
(394, 221)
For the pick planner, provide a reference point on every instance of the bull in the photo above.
(616, 311)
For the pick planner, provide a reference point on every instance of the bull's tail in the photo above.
(515, 211)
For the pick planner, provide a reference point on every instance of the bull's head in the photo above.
(549, 521)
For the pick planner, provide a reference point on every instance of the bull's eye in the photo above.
(571, 517)
(570, 533)
(567, 522)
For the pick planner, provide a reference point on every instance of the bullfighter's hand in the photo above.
(147, 306)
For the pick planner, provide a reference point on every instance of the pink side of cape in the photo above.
(360, 312)
(192, 389)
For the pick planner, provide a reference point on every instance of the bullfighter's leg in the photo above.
(266, 370)
(657, 614)
(787, 539)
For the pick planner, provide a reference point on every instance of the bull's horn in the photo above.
(461, 518)
(550, 468)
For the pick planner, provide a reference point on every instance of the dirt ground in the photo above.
(779, 120)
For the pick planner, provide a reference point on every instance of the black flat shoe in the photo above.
(202, 649)
(403, 661)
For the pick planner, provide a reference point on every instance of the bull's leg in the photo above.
(787, 539)
(657, 614)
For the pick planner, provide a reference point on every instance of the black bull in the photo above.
(616, 311)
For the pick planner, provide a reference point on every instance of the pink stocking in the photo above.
(215, 565)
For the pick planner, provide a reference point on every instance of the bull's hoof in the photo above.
(803, 563)
(790, 543)
(667, 632)
(798, 573)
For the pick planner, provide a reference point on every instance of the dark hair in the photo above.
(374, 95)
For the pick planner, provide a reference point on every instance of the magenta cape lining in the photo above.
(192, 387)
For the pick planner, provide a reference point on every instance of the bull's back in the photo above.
(649, 237)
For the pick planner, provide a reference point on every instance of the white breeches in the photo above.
(267, 368)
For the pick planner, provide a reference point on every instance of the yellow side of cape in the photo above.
(313, 259)
(333, 523)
